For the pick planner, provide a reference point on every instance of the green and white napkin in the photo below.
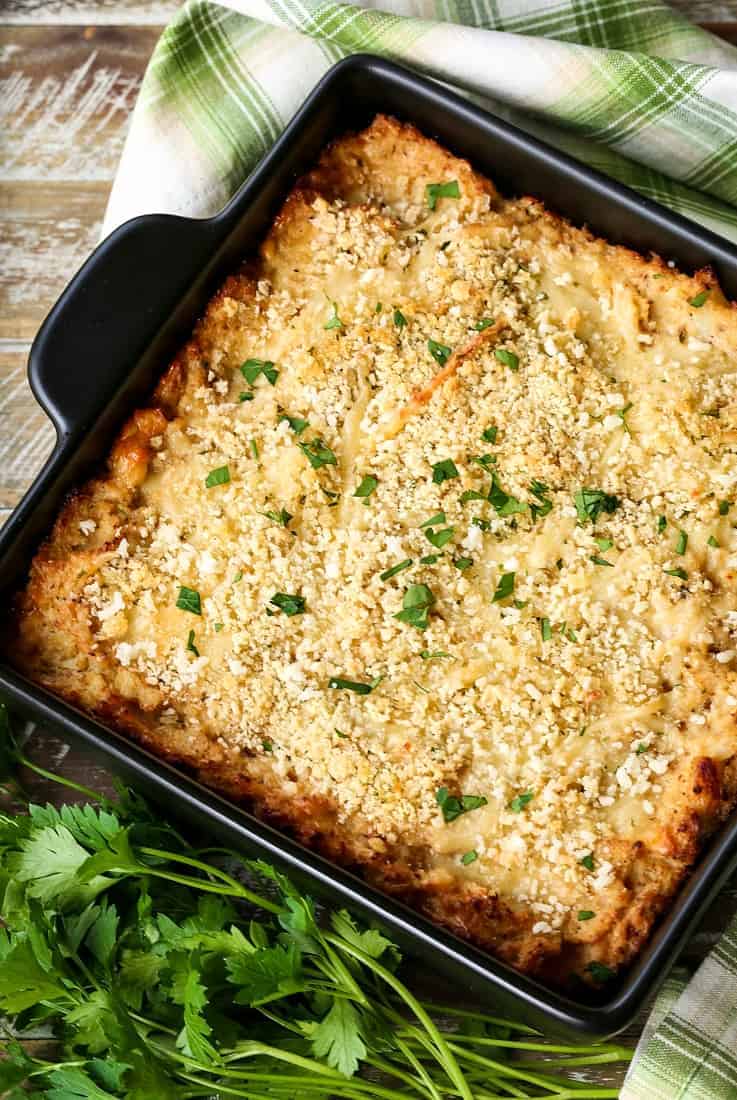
(627, 86)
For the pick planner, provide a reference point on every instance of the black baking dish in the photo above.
(109, 337)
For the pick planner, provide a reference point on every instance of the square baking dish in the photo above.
(107, 340)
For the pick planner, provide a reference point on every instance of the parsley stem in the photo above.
(236, 888)
(444, 1052)
(467, 1014)
(54, 778)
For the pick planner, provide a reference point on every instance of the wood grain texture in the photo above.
(69, 74)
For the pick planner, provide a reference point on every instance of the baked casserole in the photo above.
(424, 549)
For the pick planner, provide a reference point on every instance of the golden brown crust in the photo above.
(55, 641)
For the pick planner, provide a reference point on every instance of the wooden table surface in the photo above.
(70, 71)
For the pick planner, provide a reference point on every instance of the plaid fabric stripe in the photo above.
(627, 86)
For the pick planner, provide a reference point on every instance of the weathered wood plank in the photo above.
(66, 97)
(49, 230)
(27, 437)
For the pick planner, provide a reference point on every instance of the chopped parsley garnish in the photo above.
(245, 395)
(471, 494)
(353, 685)
(588, 861)
(489, 434)
(507, 357)
(601, 561)
(318, 454)
(252, 368)
(400, 567)
(682, 542)
(440, 538)
(435, 656)
(435, 191)
(282, 517)
(586, 914)
(622, 413)
(469, 857)
(599, 972)
(504, 588)
(290, 605)
(711, 541)
(452, 806)
(254, 449)
(219, 476)
(463, 563)
(378, 307)
(485, 322)
(724, 506)
(543, 504)
(399, 319)
(502, 502)
(441, 353)
(433, 521)
(218, 627)
(484, 461)
(296, 423)
(698, 300)
(267, 746)
(680, 573)
(641, 748)
(339, 733)
(190, 644)
(430, 559)
(334, 320)
(604, 544)
(418, 599)
(519, 802)
(520, 604)
(481, 523)
(238, 576)
(546, 630)
(661, 524)
(444, 471)
(367, 486)
(189, 600)
(590, 503)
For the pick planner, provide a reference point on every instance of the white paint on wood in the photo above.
(66, 126)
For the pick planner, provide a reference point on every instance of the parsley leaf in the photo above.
(601, 561)
(507, 357)
(219, 476)
(444, 471)
(252, 368)
(441, 353)
(682, 542)
(590, 503)
(398, 568)
(440, 538)
(452, 807)
(351, 685)
(588, 861)
(296, 423)
(489, 434)
(543, 505)
(426, 655)
(484, 323)
(318, 454)
(462, 564)
(290, 605)
(599, 972)
(680, 573)
(367, 486)
(469, 857)
(519, 802)
(340, 1038)
(698, 300)
(266, 974)
(661, 524)
(724, 506)
(282, 517)
(546, 630)
(334, 320)
(418, 599)
(435, 191)
(189, 600)
(504, 588)
(502, 502)
(192, 648)
(586, 914)
(711, 541)
(399, 319)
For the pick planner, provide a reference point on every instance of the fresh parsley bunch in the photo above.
(165, 974)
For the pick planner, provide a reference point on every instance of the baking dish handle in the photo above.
(115, 307)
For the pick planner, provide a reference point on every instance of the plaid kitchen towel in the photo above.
(628, 86)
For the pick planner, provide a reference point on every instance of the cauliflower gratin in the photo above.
(425, 548)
